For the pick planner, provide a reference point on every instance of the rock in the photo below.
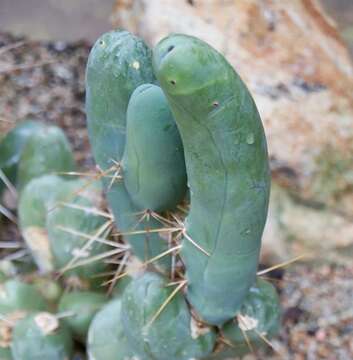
(296, 65)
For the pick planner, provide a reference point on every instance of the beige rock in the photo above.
(297, 227)
(292, 58)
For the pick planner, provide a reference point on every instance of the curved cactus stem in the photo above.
(228, 173)
(283, 264)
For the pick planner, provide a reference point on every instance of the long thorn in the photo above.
(93, 259)
(162, 219)
(195, 244)
(118, 272)
(247, 340)
(89, 210)
(139, 232)
(283, 264)
(8, 214)
(89, 237)
(182, 209)
(174, 283)
(178, 221)
(65, 314)
(82, 188)
(98, 233)
(8, 184)
(264, 339)
(150, 261)
(226, 342)
(83, 174)
(103, 274)
(10, 245)
(116, 176)
(166, 302)
(16, 255)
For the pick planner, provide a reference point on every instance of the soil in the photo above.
(45, 81)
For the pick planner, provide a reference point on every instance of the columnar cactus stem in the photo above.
(228, 173)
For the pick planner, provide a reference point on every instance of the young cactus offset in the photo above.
(81, 307)
(41, 336)
(46, 151)
(228, 173)
(153, 161)
(106, 336)
(77, 233)
(258, 319)
(173, 334)
(11, 147)
(56, 224)
(16, 295)
(37, 198)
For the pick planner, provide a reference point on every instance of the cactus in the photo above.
(48, 288)
(46, 151)
(16, 295)
(70, 229)
(153, 161)
(5, 353)
(52, 230)
(31, 150)
(174, 334)
(6, 326)
(41, 336)
(106, 336)
(259, 316)
(81, 307)
(11, 147)
(37, 198)
(118, 63)
(226, 162)
(228, 173)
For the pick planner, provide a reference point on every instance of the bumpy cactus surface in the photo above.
(204, 109)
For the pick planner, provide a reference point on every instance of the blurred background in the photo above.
(296, 58)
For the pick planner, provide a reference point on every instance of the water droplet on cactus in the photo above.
(136, 65)
(250, 139)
